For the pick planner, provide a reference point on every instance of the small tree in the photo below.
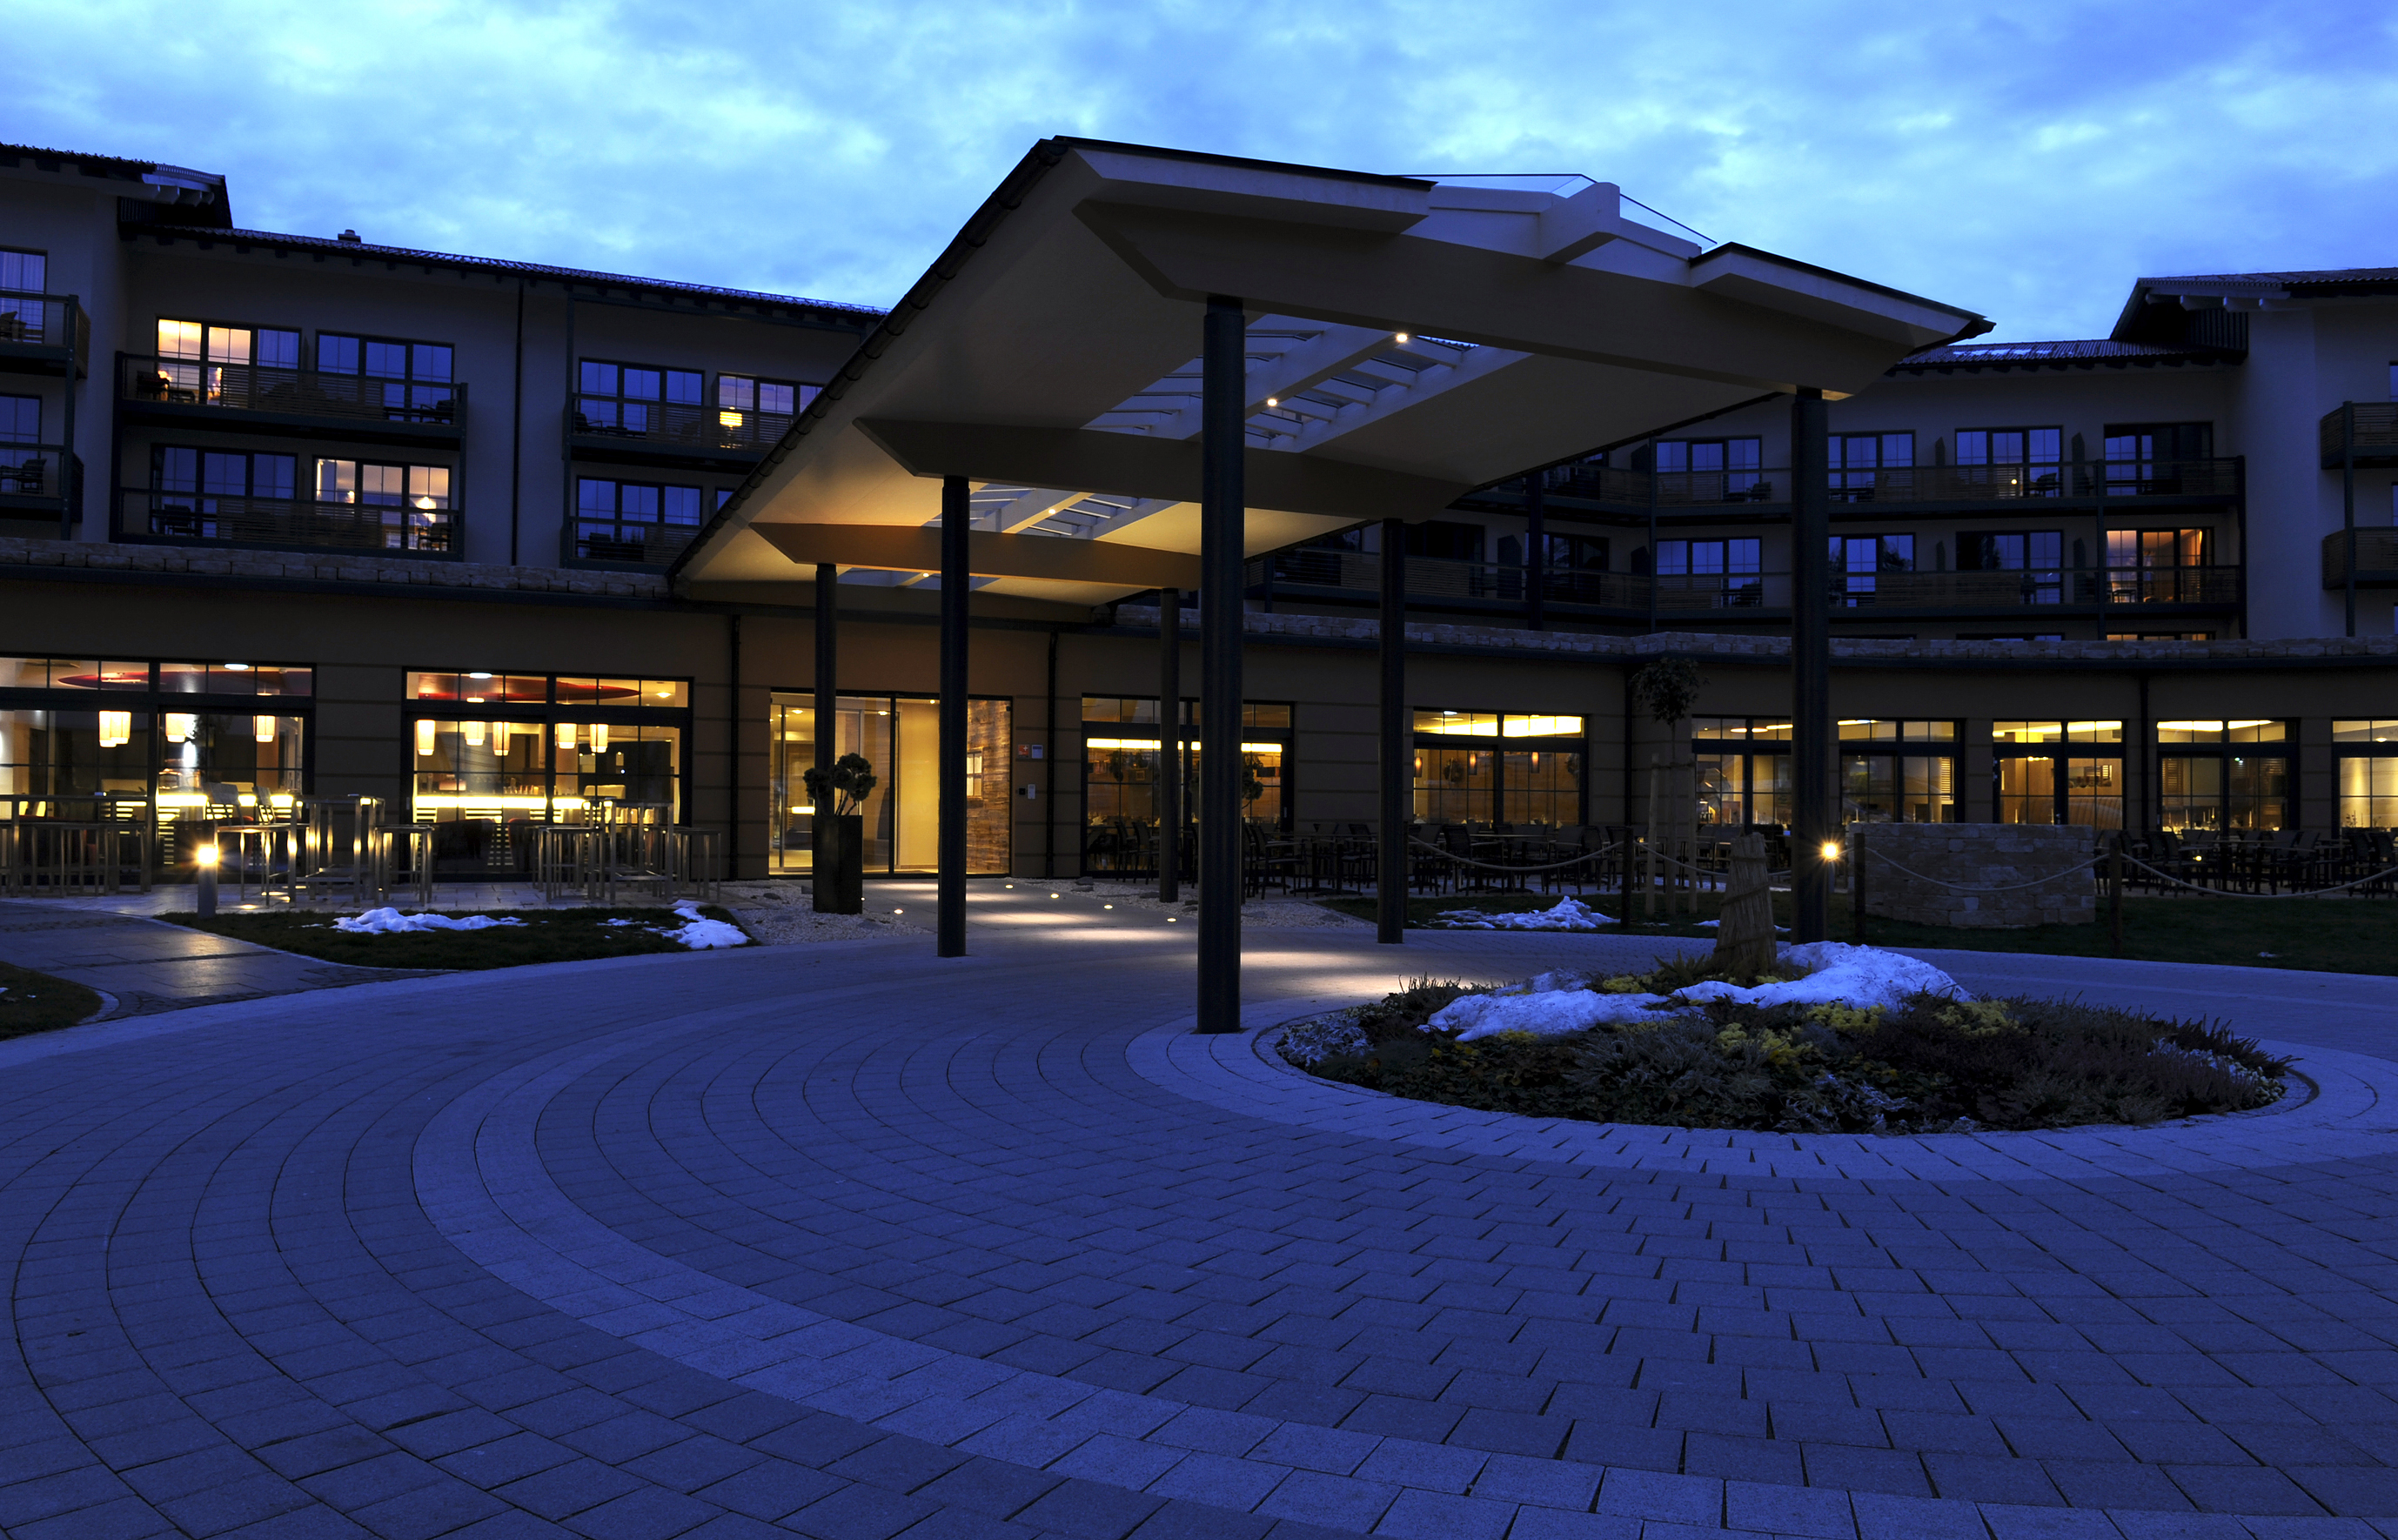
(846, 787)
(1668, 688)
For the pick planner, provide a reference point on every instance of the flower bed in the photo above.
(1837, 1039)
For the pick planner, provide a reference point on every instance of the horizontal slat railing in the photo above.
(2377, 430)
(636, 544)
(670, 425)
(2377, 552)
(271, 522)
(32, 470)
(1905, 484)
(294, 392)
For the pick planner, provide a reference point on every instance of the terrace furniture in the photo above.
(28, 476)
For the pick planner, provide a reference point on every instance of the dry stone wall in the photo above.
(1928, 873)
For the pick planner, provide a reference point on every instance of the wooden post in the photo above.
(1744, 932)
(1857, 879)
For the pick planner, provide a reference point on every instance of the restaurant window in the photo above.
(491, 754)
(2039, 555)
(1494, 767)
(2224, 774)
(1121, 752)
(2059, 772)
(2012, 461)
(1861, 464)
(622, 520)
(1898, 770)
(1744, 771)
(1858, 560)
(1713, 574)
(178, 747)
(412, 379)
(901, 735)
(2368, 752)
(614, 397)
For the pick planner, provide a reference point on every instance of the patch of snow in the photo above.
(1710, 924)
(391, 922)
(1839, 974)
(1571, 913)
(699, 933)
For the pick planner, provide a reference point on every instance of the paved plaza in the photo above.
(841, 1241)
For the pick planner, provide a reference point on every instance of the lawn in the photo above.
(2324, 935)
(555, 936)
(33, 1002)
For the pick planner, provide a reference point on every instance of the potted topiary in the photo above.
(839, 843)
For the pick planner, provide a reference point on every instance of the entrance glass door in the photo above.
(901, 735)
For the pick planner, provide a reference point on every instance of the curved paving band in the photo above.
(756, 1244)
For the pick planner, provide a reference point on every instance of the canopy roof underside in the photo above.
(1408, 340)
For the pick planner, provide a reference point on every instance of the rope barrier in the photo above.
(1583, 858)
(2218, 893)
(1963, 888)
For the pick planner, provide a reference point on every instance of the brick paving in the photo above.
(842, 1242)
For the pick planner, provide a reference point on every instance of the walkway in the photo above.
(841, 1242)
(143, 966)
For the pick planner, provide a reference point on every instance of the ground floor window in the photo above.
(2368, 772)
(901, 735)
(1897, 770)
(1744, 770)
(2224, 774)
(179, 747)
(1122, 747)
(2059, 773)
(493, 754)
(1494, 767)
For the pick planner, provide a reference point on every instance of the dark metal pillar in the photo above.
(1170, 746)
(2347, 508)
(956, 586)
(1536, 549)
(1222, 501)
(1811, 743)
(1391, 860)
(70, 463)
(827, 709)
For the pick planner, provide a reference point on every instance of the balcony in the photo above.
(667, 433)
(2377, 559)
(291, 402)
(1351, 577)
(2032, 488)
(40, 333)
(35, 479)
(649, 548)
(186, 519)
(2377, 435)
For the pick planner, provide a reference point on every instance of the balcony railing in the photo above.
(628, 543)
(1902, 484)
(665, 425)
(1432, 581)
(2376, 434)
(33, 470)
(30, 320)
(242, 388)
(2377, 559)
(272, 521)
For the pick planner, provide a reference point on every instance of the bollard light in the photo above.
(1831, 850)
(205, 857)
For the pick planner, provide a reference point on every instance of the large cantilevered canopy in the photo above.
(1408, 340)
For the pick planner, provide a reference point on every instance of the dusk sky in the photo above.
(2025, 160)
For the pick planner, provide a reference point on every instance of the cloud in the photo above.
(2027, 160)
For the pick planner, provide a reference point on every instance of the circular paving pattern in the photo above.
(840, 1242)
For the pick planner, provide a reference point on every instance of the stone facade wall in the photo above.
(1979, 855)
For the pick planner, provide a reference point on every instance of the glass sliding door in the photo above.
(901, 735)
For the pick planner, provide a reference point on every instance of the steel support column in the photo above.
(1811, 743)
(957, 585)
(2347, 511)
(1221, 510)
(828, 706)
(1536, 549)
(1390, 860)
(1170, 746)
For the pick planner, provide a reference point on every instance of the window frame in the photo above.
(2060, 753)
(2225, 752)
(2375, 753)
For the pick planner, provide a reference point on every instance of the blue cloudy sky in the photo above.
(2025, 159)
